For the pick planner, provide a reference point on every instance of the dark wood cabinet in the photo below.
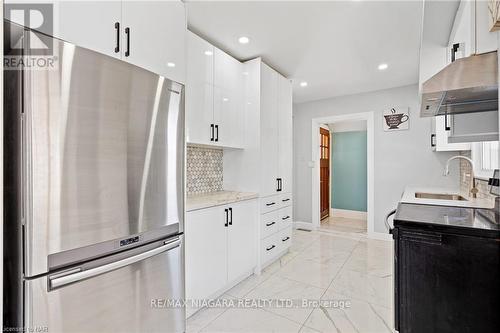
(446, 281)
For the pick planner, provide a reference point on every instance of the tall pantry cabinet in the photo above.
(272, 93)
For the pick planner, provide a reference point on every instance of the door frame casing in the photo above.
(370, 131)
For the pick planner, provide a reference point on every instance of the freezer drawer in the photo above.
(124, 293)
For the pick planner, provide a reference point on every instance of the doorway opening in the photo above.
(342, 184)
(343, 176)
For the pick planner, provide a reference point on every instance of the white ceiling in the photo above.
(334, 46)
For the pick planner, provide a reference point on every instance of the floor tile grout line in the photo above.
(323, 294)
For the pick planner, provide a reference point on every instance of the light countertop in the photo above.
(409, 197)
(206, 200)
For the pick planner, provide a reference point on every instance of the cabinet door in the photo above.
(442, 136)
(242, 239)
(157, 37)
(269, 131)
(89, 24)
(199, 90)
(285, 148)
(206, 252)
(228, 99)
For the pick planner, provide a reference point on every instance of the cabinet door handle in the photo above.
(117, 27)
(285, 218)
(270, 224)
(127, 32)
(270, 248)
(279, 184)
(212, 129)
(446, 126)
(230, 216)
(270, 204)
(285, 239)
(433, 140)
(216, 133)
(227, 217)
(285, 200)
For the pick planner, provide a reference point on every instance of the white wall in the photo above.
(401, 158)
(348, 126)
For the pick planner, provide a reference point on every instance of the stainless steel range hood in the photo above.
(466, 85)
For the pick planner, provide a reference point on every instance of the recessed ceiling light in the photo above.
(303, 84)
(244, 40)
(170, 64)
(225, 99)
(208, 53)
(381, 67)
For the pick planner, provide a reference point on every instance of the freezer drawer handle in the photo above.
(59, 281)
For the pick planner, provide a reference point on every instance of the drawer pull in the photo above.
(270, 224)
(270, 248)
(285, 200)
(270, 204)
(285, 218)
(285, 239)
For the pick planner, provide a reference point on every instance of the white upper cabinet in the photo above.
(214, 96)
(228, 99)
(154, 37)
(269, 131)
(149, 34)
(101, 34)
(285, 129)
(199, 90)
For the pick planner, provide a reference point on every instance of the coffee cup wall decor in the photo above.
(396, 119)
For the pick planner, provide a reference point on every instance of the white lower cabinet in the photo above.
(220, 248)
(276, 222)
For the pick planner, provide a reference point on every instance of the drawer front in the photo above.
(285, 217)
(269, 248)
(269, 204)
(269, 223)
(285, 239)
(286, 200)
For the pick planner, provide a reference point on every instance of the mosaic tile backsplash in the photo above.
(204, 170)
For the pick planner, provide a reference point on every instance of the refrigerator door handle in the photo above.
(58, 281)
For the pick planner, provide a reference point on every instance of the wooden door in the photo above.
(324, 175)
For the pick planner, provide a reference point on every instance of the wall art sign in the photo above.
(396, 119)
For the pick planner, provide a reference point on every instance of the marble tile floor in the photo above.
(343, 224)
(345, 280)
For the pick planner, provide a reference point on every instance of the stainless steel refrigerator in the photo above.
(94, 193)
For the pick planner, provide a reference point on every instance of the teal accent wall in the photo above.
(349, 178)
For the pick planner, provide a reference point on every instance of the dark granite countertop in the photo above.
(458, 219)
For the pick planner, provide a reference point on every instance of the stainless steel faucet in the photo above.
(473, 190)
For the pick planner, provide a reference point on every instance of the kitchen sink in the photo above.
(439, 196)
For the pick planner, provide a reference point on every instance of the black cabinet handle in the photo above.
(285, 200)
(285, 218)
(285, 239)
(117, 27)
(227, 217)
(270, 248)
(127, 32)
(212, 129)
(454, 50)
(270, 224)
(433, 140)
(279, 184)
(270, 204)
(216, 133)
(230, 216)
(446, 127)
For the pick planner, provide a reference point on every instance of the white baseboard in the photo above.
(350, 214)
(303, 225)
(380, 236)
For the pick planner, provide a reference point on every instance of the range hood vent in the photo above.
(466, 85)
